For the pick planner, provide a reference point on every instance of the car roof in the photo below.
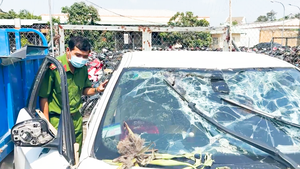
(201, 60)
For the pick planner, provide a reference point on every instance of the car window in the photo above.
(51, 83)
(155, 112)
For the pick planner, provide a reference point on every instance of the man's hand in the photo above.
(101, 87)
(92, 91)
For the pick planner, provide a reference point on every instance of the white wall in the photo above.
(250, 37)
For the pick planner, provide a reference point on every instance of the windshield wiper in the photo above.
(275, 153)
(261, 113)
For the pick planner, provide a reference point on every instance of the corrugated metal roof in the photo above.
(136, 17)
(277, 24)
(136, 12)
(23, 22)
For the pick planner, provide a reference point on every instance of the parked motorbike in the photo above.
(100, 68)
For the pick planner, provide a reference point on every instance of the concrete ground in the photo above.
(7, 163)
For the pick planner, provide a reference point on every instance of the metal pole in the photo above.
(298, 41)
(282, 20)
(116, 41)
(230, 26)
(51, 35)
(133, 43)
(61, 40)
(297, 7)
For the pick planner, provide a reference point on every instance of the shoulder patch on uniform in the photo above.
(52, 66)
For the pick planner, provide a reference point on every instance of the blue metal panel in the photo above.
(27, 73)
(6, 145)
(4, 48)
(10, 106)
(3, 111)
(15, 83)
(18, 40)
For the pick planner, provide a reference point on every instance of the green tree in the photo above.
(81, 14)
(9, 15)
(271, 15)
(24, 41)
(234, 23)
(23, 14)
(186, 20)
(262, 18)
(187, 39)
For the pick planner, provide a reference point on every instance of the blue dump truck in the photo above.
(17, 73)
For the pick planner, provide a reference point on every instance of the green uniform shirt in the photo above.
(51, 87)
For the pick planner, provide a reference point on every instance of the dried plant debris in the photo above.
(134, 153)
(132, 150)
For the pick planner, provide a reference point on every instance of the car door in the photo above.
(60, 152)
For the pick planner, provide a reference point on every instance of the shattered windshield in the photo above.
(158, 114)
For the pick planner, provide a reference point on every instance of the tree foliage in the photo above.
(24, 41)
(262, 18)
(270, 16)
(98, 39)
(235, 23)
(23, 14)
(81, 14)
(187, 19)
(187, 39)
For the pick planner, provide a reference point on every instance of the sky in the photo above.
(217, 10)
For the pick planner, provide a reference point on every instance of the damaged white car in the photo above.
(176, 110)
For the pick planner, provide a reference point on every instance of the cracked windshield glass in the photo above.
(153, 110)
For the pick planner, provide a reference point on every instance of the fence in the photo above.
(27, 38)
(289, 40)
(158, 38)
(137, 37)
(163, 38)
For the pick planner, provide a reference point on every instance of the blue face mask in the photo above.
(78, 62)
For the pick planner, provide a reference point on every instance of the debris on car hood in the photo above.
(132, 150)
(134, 153)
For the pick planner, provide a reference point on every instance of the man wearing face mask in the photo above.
(78, 84)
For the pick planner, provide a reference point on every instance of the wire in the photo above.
(121, 14)
(1, 2)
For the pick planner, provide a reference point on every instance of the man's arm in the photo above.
(45, 91)
(89, 91)
(44, 107)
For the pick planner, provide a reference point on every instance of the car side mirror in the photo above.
(32, 133)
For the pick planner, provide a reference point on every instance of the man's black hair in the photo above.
(81, 43)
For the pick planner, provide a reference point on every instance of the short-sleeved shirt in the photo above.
(51, 87)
